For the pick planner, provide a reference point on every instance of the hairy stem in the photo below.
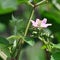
(29, 23)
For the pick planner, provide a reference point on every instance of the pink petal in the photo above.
(44, 21)
(34, 23)
(45, 25)
(37, 21)
(48, 25)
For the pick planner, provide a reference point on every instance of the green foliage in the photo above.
(29, 40)
(2, 27)
(53, 14)
(57, 46)
(48, 10)
(4, 50)
(3, 41)
(36, 1)
(20, 25)
(22, 1)
(7, 6)
(55, 55)
(33, 53)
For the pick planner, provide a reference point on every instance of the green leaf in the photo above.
(52, 58)
(29, 40)
(5, 53)
(57, 46)
(13, 37)
(36, 1)
(47, 32)
(4, 41)
(57, 34)
(53, 15)
(19, 23)
(51, 12)
(2, 46)
(7, 6)
(44, 47)
(2, 27)
(55, 55)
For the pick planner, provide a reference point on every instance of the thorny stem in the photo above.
(29, 23)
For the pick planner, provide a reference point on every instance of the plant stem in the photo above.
(25, 34)
(29, 23)
(42, 40)
(30, 4)
(19, 49)
(41, 2)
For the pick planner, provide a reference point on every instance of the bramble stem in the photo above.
(42, 40)
(30, 4)
(29, 23)
(41, 2)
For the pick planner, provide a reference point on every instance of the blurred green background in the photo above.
(20, 9)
